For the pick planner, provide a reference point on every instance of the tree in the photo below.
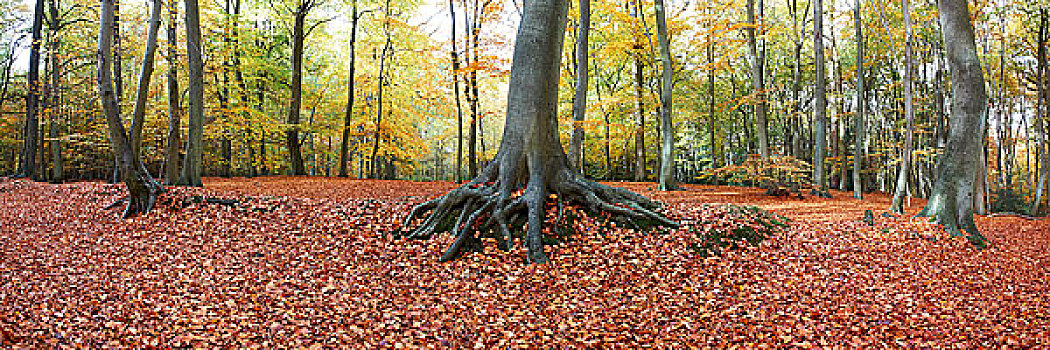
(757, 78)
(171, 150)
(27, 166)
(348, 115)
(1042, 97)
(579, 100)
(951, 203)
(667, 182)
(820, 105)
(897, 206)
(455, 91)
(299, 34)
(530, 165)
(862, 101)
(142, 189)
(138, 114)
(191, 165)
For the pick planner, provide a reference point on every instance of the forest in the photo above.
(534, 173)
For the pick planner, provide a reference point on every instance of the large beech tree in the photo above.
(951, 203)
(513, 189)
(142, 189)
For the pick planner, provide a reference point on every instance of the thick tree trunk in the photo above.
(55, 129)
(27, 166)
(667, 182)
(579, 100)
(344, 147)
(820, 104)
(951, 203)
(897, 204)
(142, 189)
(530, 159)
(171, 151)
(757, 79)
(862, 101)
(291, 140)
(191, 165)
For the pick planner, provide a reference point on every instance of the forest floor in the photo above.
(310, 262)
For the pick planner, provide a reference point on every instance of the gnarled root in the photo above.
(484, 208)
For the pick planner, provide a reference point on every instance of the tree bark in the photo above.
(27, 166)
(344, 147)
(530, 160)
(1040, 74)
(291, 141)
(171, 151)
(667, 182)
(138, 114)
(820, 105)
(142, 189)
(951, 203)
(757, 79)
(455, 92)
(859, 123)
(897, 204)
(54, 130)
(191, 165)
(579, 100)
(375, 170)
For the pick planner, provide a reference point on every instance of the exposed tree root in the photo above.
(485, 207)
(1019, 215)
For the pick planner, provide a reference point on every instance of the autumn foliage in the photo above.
(307, 262)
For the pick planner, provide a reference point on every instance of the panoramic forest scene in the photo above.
(483, 174)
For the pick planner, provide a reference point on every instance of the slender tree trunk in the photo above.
(344, 147)
(897, 204)
(758, 80)
(951, 203)
(472, 88)
(171, 152)
(712, 127)
(142, 189)
(138, 114)
(667, 182)
(27, 166)
(191, 165)
(859, 123)
(820, 104)
(455, 92)
(55, 129)
(375, 170)
(291, 141)
(579, 100)
(1040, 123)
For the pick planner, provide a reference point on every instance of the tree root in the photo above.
(486, 208)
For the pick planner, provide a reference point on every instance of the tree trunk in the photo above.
(530, 160)
(191, 165)
(291, 141)
(27, 166)
(667, 182)
(344, 147)
(758, 80)
(579, 100)
(472, 96)
(375, 170)
(858, 123)
(951, 203)
(639, 133)
(820, 105)
(142, 189)
(171, 151)
(54, 130)
(455, 92)
(897, 204)
(138, 115)
(1040, 126)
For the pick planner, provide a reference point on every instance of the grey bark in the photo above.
(291, 140)
(455, 92)
(1044, 156)
(142, 189)
(758, 79)
(820, 104)
(897, 204)
(27, 165)
(171, 151)
(138, 114)
(859, 129)
(579, 100)
(951, 203)
(191, 165)
(667, 182)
